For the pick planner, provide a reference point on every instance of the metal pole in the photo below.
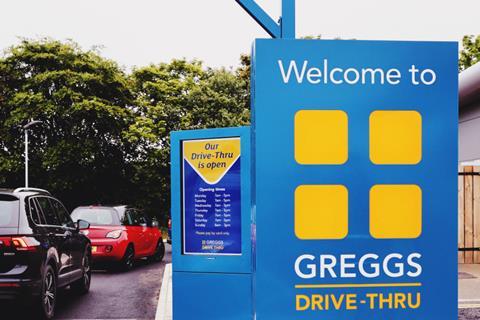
(26, 158)
(288, 19)
(26, 127)
(262, 18)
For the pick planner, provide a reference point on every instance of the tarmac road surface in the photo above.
(469, 314)
(113, 295)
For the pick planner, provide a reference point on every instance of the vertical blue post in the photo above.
(284, 30)
(212, 224)
(288, 19)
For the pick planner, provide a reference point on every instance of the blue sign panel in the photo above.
(355, 179)
(211, 224)
(212, 196)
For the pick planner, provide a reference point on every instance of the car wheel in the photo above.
(159, 252)
(48, 295)
(82, 285)
(129, 258)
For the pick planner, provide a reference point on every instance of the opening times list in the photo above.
(213, 209)
(212, 213)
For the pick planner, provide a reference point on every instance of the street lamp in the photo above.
(26, 127)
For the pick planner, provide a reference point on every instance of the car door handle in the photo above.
(66, 234)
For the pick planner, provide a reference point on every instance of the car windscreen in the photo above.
(9, 210)
(121, 212)
(97, 216)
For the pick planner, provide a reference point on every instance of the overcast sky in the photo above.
(139, 32)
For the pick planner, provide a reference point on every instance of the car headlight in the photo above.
(114, 234)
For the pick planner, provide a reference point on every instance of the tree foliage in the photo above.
(83, 100)
(179, 95)
(470, 53)
(105, 133)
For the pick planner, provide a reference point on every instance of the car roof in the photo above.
(99, 206)
(24, 192)
(94, 207)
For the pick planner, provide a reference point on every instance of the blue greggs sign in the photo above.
(355, 179)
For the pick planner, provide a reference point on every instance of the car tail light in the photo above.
(114, 234)
(169, 223)
(24, 243)
(9, 285)
(5, 242)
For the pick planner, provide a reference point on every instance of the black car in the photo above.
(41, 249)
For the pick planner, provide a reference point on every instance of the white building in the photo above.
(469, 113)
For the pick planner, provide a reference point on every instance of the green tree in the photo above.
(243, 74)
(470, 53)
(105, 136)
(179, 95)
(80, 151)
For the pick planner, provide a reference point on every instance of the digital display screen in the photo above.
(211, 197)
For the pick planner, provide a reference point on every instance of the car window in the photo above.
(134, 218)
(148, 220)
(35, 215)
(127, 219)
(62, 213)
(48, 211)
(121, 213)
(141, 219)
(9, 210)
(97, 216)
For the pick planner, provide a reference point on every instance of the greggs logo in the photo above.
(322, 211)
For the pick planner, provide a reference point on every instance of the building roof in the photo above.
(469, 86)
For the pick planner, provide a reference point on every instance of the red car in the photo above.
(169, 237)
(121, 234)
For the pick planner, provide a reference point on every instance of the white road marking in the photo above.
(469, 306)
(164, 307)
(468, 303)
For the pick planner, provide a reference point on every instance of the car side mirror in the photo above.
(82, 224)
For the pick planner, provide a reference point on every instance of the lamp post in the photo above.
(26, 127)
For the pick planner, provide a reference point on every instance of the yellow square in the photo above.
(395, 211)
(321, 137)
(321, 212)
(395, 137)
